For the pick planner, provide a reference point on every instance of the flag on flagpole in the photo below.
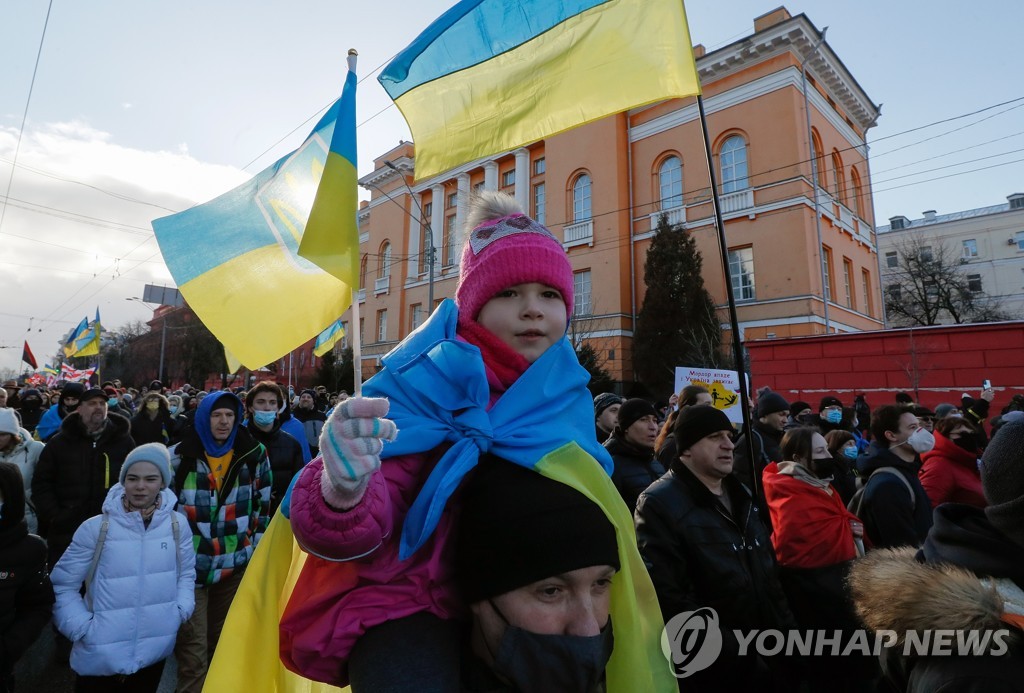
(326, 340)
(492, 75)
(331, 238)
(235, 258)
(69, 343)
(74, 375)
(89, 343)
(27, 356)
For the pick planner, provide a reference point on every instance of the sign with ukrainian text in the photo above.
(724, 386)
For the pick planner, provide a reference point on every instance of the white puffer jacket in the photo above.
(141, 593)
(25, 454)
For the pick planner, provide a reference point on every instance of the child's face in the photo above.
(527, 317)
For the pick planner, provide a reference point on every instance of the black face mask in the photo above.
(824, 468)
(570, 663)
(967, 442)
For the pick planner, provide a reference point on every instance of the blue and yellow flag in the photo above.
(326, 340)
(69, 343)
(492, 75)
(89, 343)
(236, 258)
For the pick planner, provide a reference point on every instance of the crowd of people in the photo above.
(479, 522)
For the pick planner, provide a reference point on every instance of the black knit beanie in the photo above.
(699, 422)
(518, 527)
(1002, 479)
(631, 411)
(771, 403)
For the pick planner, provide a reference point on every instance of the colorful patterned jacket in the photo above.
(226, 526)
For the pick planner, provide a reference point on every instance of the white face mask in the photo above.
(921, 441)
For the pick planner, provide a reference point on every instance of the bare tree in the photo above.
(931, 287)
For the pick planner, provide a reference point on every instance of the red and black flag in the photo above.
(27, 357)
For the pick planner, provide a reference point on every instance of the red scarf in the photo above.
(501, 359)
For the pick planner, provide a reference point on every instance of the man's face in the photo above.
(574, 603)
(643, 432)
(711, 456)
(776, 421)
(222, 421)
(606, 421)
(265, 401)
(927, 422)
(93, 412)
(824, 413)
(908, 424)
(306, 401)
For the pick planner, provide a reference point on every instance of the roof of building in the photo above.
(942, 218)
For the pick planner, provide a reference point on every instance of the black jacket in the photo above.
(26, 595)
(766, 442)
(285, 456)
(700, 555)
(73, 476)
(635, 469)
(164, 428)
(890, 517)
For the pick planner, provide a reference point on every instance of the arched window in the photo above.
(855, 200)
(733, 158)
(362, 272)
(838, 178)
(670, 183)
(384, 261)
(819, 158)
(581, 192)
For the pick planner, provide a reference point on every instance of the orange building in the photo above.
(601, 188)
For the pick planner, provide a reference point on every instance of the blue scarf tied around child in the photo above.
(438, 390)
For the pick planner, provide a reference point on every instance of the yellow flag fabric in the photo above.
(492, 75)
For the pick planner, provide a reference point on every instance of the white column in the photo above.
(523, 179)
(461, 207)
(413, 265)
(491, 175)
(437, 223)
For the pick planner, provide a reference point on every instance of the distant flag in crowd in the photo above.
(235, 258)
(50, 370)
(69, 343)
(89, 343)
(27, 356)
(492, 75)
(74, 375)
(326, 340)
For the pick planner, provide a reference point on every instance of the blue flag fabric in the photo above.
(438, 391)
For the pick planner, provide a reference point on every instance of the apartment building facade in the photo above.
(602, 187)
(988, 242)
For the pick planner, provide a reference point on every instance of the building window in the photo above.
(415, 316)
(733, 157)
(539, 166)
(741, 273)
(581, 192)
(925, 254)
(855, 190)
(838, 178)
(819, 158)
(453, 199)
(362, 271)
(895, 292)
(848, 281)
(478, 186)
(892, 260)
(1019, 237)
(865, 279)
(931, 288)
(897, 223)
(382, 325)
(508, 178)
(970, 248)
(539, 203)
(362, 331)
(428, 210)
(449, 240)
(425, 241)
(344, 335)
(826, 266)
(384, 261)
(581, 293)
(670, 182)
(974, 283)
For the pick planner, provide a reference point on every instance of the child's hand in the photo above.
(350, 444)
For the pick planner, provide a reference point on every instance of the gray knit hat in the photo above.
(155, 453)
(1002, 479)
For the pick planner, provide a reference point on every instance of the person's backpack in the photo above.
(89, 576)
(856, 503)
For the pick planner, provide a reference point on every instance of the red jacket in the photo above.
(950, 474)
(811, 527)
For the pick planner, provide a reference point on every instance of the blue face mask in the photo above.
(833, 416)
(174, 409)
(112, 402)
(264, 418)
(850, 453)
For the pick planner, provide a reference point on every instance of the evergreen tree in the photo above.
(677, 324)
(600, 380)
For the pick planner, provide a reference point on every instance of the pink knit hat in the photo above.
(510, 250)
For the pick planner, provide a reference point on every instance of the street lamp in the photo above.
(814, 174)
(163, 337)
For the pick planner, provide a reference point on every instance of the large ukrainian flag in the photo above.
(236, 258)
(492, 75)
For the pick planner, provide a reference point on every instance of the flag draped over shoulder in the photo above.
(27, 356)
(326, 340)
(492, 75)
(236, 258)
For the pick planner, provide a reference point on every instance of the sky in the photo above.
(139, 110)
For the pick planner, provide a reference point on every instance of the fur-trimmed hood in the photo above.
(893, 591)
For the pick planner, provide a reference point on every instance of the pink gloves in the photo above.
(350, 445)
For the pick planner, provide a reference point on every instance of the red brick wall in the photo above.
(946, 361)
